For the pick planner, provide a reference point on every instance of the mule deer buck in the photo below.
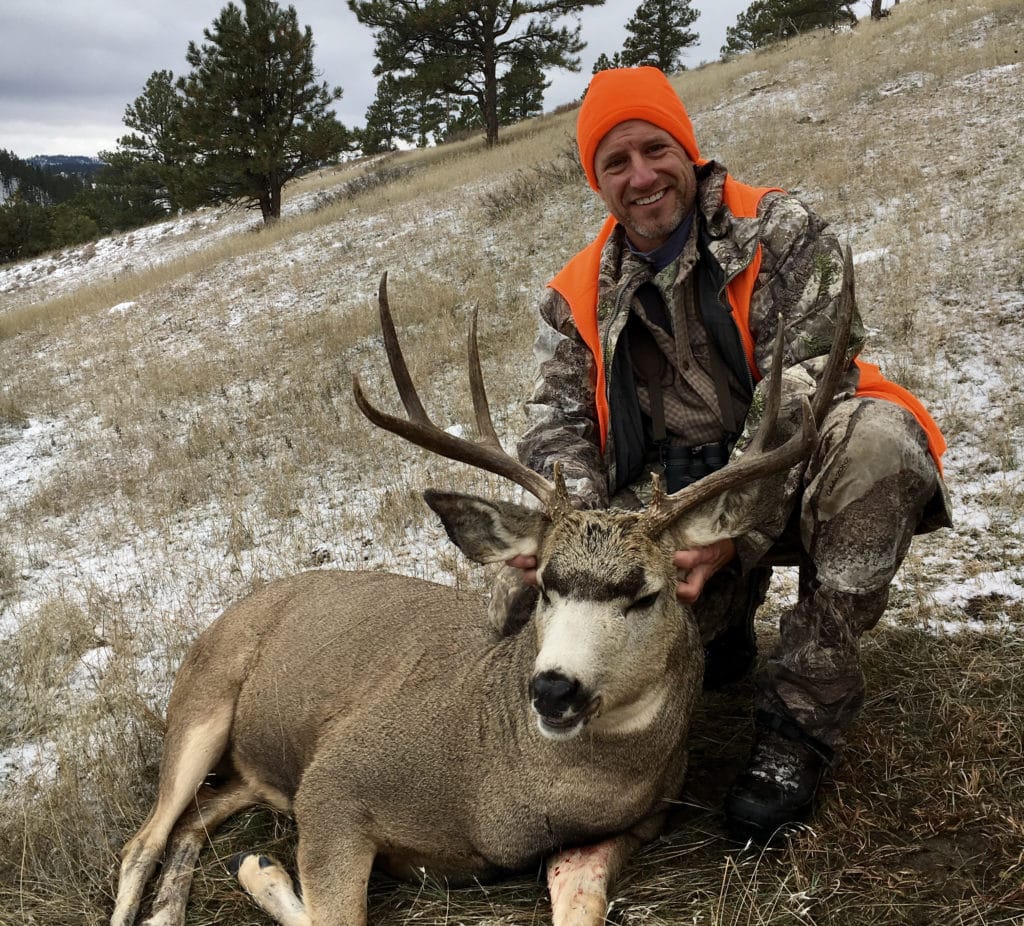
(400, 731)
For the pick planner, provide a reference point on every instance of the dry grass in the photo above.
(192, 445)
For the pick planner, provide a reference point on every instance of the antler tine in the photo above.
(746, 469)
(419, 430)
(756, 462)
(481, 408)
(396, 359)
(837, 363)
(773, 392)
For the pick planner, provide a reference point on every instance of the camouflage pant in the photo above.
(865, 491)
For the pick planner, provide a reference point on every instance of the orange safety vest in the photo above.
(577, 283)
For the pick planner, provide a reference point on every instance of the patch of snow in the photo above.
(914, 80)
(89, 669)
(1007, 584)
(27, 760)
(26, 456)
(865, 257)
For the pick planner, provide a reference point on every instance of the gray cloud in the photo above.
(68, 70)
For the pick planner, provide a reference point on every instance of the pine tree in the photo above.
(520, 96)
(521, 92)
(385, 123)
(24, 229)
(132, 190)
(658, 34)
(604, 63)
(148, 161)
(767, 21)
(460, 50)
(255, 114)
(755, 27)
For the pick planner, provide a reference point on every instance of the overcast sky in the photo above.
(67, 70)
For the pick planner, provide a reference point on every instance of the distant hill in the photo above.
(45, 180)
(67, 164)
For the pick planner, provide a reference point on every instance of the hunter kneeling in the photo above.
(653, 343)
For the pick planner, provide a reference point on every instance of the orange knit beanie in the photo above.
(620, 94)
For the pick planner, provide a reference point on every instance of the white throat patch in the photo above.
(633, 717)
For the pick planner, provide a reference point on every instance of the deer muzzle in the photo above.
(562, 704)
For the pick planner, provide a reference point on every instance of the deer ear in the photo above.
(488, 531)
(735, 512)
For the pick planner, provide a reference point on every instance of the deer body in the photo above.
(401, 731)
(428, 743)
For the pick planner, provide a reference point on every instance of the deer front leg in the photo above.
(269, 885)
(333, 878)
(579, 879)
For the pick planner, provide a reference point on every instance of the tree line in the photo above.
(253, 111)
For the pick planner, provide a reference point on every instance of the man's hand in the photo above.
(527, 565)
(697, 566)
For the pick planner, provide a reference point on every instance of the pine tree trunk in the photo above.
(490, 97)
(270, 205)
(876, 10)
(490, 73)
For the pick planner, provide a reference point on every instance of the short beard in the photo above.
(660, 229)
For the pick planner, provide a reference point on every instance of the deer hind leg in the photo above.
(579, 879)
(212, 807)
(190, 753)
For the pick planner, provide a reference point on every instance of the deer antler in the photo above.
(486, 454)
(756, 462)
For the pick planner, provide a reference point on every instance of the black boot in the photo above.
(780, 781)
(730, 657)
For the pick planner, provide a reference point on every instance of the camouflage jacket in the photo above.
(800, 280)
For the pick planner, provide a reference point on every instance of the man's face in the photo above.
(646, 180)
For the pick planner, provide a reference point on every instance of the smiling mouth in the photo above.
(648, 200)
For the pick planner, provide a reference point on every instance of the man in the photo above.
(652, 341)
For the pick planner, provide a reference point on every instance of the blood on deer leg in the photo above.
(578, 881)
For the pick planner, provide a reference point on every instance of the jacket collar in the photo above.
(730, 239)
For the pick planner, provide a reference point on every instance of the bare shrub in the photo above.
(11, 411)
(530, 185)
(8, 572)
(37, 663)
(372, 179)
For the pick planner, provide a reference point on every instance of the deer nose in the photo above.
(555, 695)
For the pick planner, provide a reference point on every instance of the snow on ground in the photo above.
(26, 456)
(51, 275)
(953, 571)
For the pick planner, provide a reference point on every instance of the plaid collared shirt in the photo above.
(692, 415)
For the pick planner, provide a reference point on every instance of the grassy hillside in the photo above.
(176, 427)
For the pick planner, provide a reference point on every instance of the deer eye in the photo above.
(643, 604)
